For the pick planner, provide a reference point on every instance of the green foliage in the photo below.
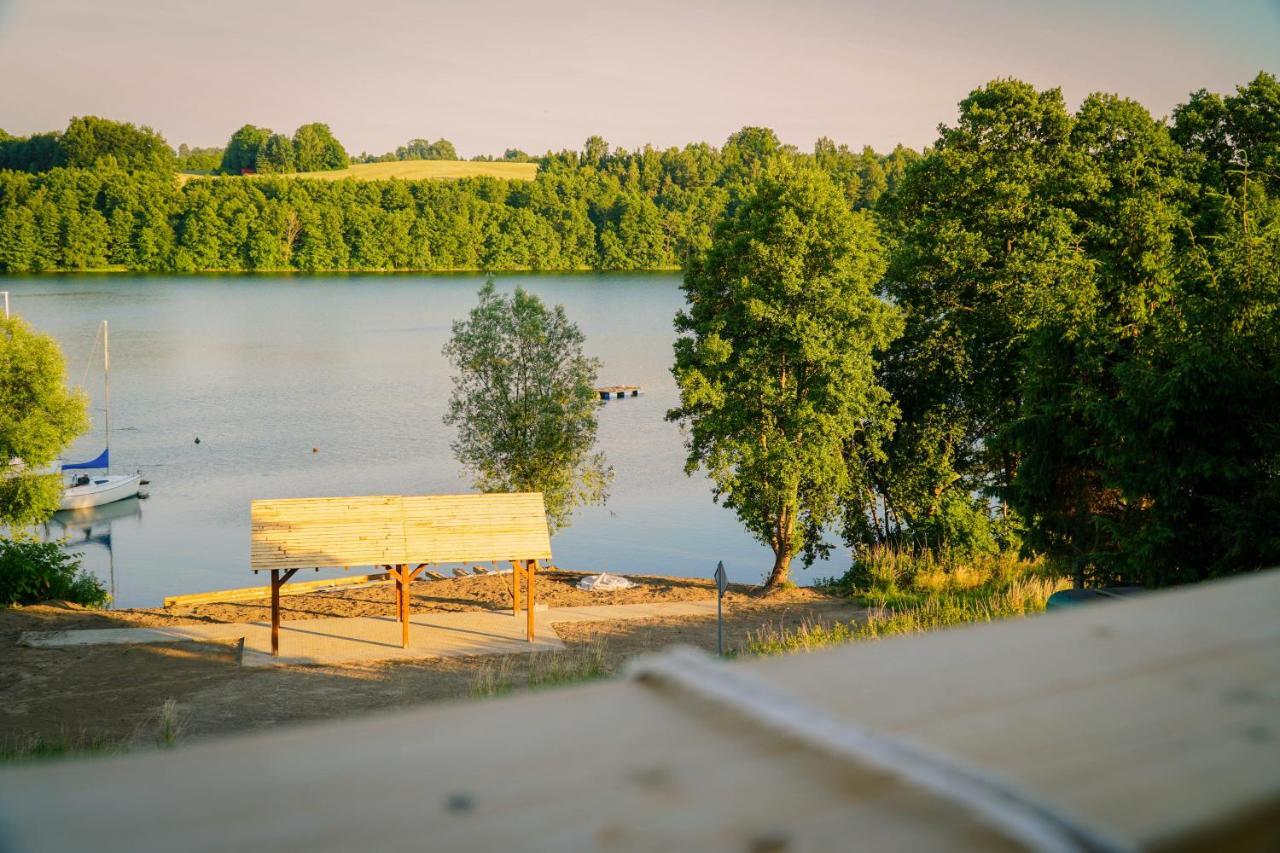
(1189, 451)
(241, 153)
(421, 149)
(643, 209)
(89, 140)
(913, 592)
(36, 153)
(316, 149)
(39, 417)
(66, 745)
(32, 571)
(200, 160)
(524, 405)
(1232, 135)
(932, 613)
(981, 234)
(1091, 306)
(776, 358)
(275, 156)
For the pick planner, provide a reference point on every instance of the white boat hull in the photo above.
(101, 490)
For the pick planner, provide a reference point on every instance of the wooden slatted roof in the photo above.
(374, 530)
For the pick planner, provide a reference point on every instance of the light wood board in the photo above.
(394, 529)
(1157, 720)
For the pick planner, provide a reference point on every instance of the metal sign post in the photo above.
(722, 583)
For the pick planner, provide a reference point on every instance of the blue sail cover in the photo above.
(100, 462)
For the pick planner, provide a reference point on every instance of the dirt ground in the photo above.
(138, 695)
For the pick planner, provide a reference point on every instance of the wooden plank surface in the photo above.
(1156, 720)
(395, 529)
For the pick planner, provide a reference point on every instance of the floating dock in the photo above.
(618, 392)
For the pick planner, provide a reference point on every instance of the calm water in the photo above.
(262, 370)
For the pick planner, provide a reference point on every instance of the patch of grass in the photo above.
(169, 724)
(67, 745)
(545, 669)
(930, 612)
(889, 578)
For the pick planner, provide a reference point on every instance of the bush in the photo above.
(32, 571)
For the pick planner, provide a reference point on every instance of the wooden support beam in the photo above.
(277, 581)
(516, 568)
(404, 605)
(531, 570)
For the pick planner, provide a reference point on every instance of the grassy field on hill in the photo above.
(417, 170)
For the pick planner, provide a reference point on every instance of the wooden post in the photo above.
(275, 612)
(277, 581)
(404, 606)
(515, 587)
(531, 568)
(399, 593)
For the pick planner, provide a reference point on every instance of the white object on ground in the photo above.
(604, 582)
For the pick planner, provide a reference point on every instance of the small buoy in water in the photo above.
(197, 439)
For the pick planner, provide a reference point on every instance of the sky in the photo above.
(545, 74)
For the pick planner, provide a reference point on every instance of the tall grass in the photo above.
(909, 593)
(577, 664)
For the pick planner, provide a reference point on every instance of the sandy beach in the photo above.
(117, 695)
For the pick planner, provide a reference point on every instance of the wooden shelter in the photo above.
(404, 535)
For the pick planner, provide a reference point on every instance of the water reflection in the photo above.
(87, 532)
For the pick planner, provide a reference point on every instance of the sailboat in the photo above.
(86, 491)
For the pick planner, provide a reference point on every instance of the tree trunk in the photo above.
(781, 567)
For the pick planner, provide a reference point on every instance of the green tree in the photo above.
(89, 139)
(1125, 188)
(422, 149)
(275, 156)
(524, 405)
(776, 356)
(316, 149)
(1192, 445)
(241, 153)
(983, 233)
(39, 417)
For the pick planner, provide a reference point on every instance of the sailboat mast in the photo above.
(106, 372)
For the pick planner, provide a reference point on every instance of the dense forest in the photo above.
(113, 201)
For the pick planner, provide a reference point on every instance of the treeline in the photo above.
(415, 149)
(260, 150)
(88, 142)
(593, 209)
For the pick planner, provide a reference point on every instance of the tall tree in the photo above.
(241, 153)
(982, 233)
(39, 417)
(776, 357)
(524, 405)
(317, 150)
(1126, 190)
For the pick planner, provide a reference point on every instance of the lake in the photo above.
(262, 369)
